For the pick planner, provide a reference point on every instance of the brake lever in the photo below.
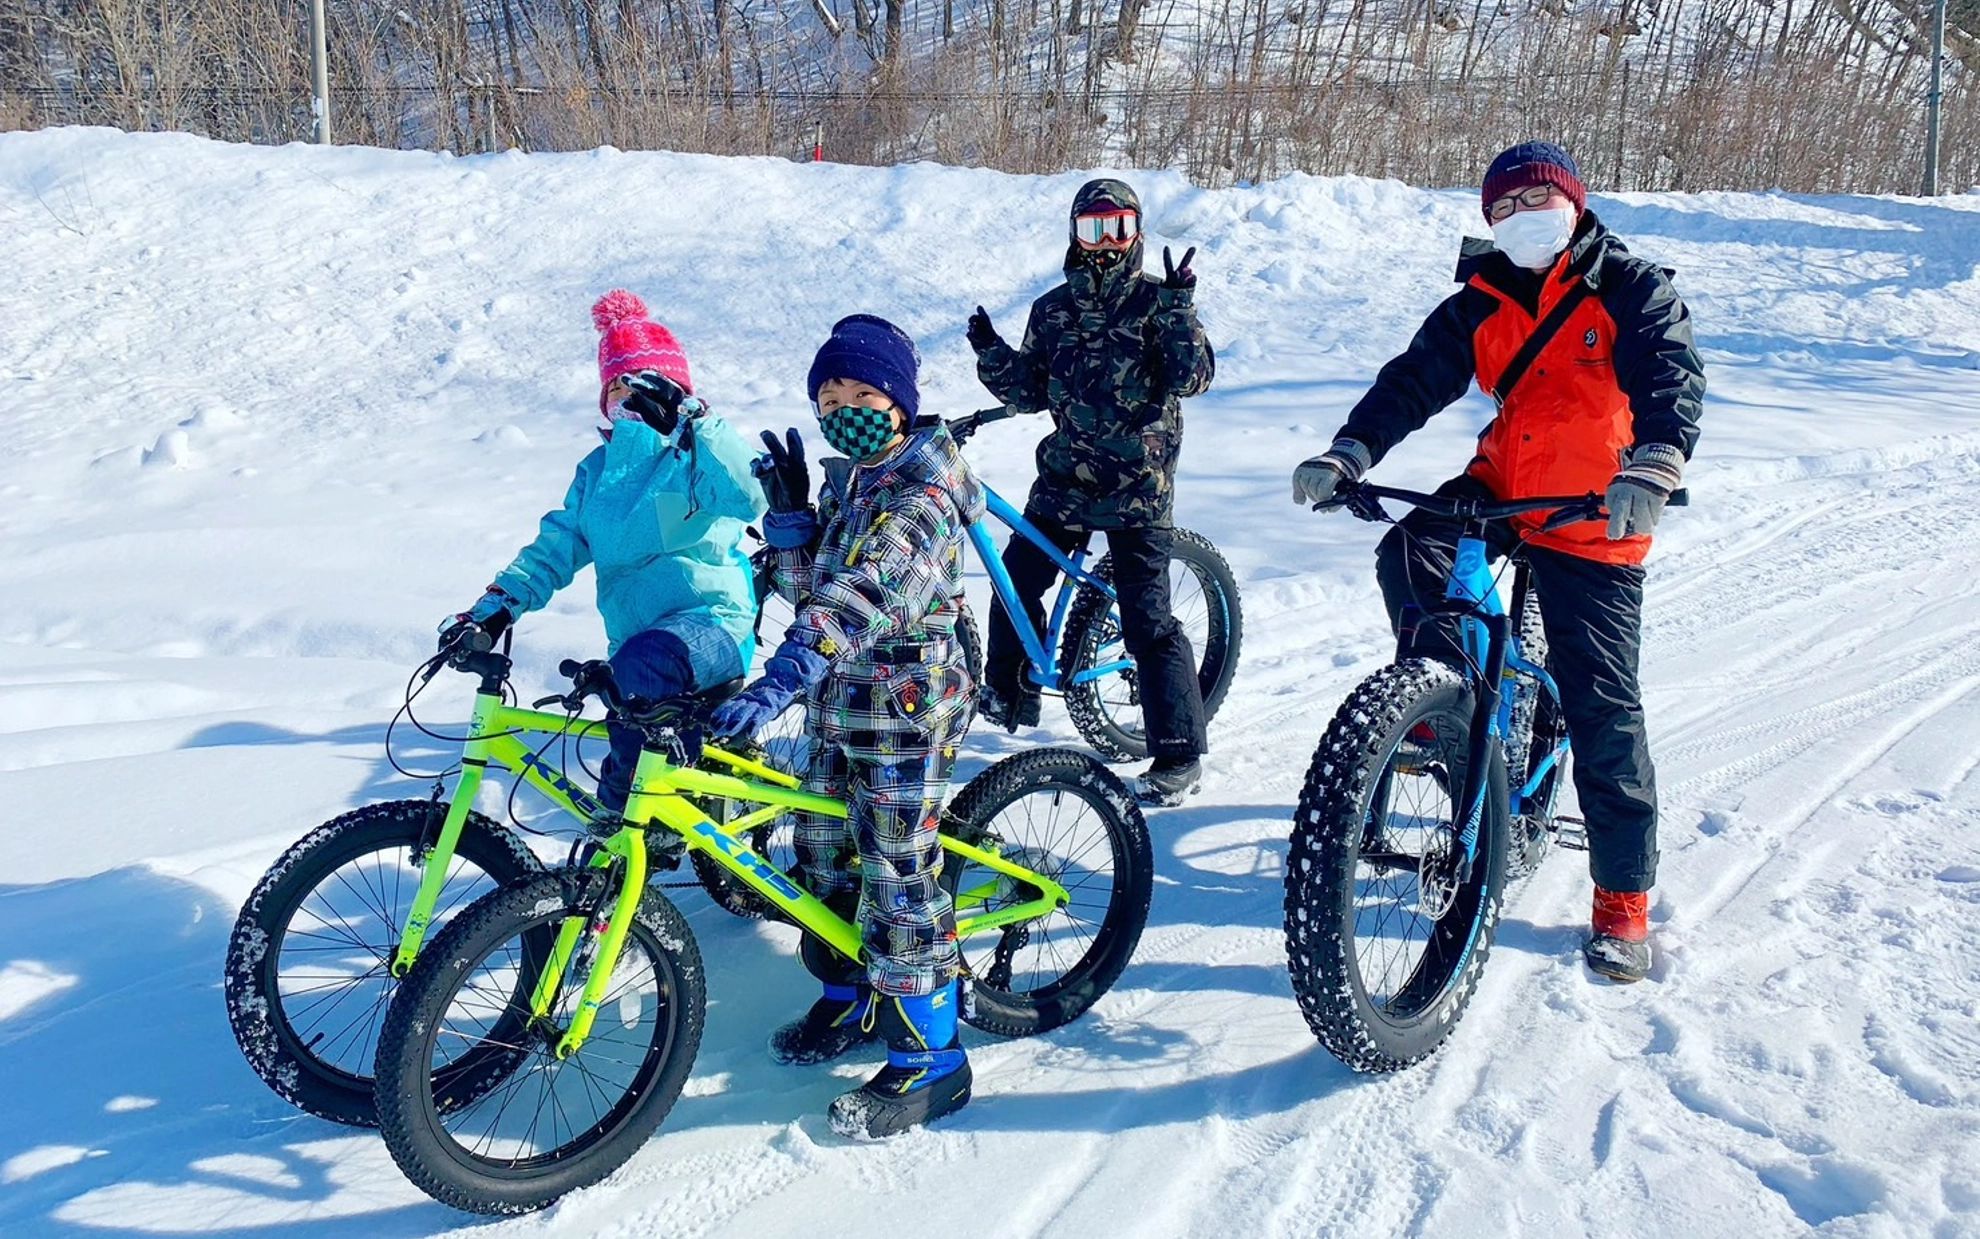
(1589, 509)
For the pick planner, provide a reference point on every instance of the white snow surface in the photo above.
(268, 414)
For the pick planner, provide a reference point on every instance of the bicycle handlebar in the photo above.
(1360, 498)
(969, 423)
(593, 678)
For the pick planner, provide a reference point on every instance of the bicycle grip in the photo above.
(1680, 498)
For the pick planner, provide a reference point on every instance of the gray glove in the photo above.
(1635, 499)
(1316, 480)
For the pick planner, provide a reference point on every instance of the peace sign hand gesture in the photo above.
(1178, 274)
(786, 480)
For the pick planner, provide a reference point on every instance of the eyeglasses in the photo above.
(1531, 196)
(1105, 226)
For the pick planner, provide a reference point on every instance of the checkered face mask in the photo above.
(858, 432)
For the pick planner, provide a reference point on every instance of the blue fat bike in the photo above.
(1080, 654)
(1410, 825)
(1091, 668)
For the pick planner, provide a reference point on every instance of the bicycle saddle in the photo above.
(708, 698)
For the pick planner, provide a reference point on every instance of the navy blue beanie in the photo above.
(1533, 163)
(869, 349)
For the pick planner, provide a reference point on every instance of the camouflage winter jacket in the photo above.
(879, 587)
(1111, 354)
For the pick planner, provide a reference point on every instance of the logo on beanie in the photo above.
(1589, 339)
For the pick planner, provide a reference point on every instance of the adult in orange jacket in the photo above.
(1609, 403)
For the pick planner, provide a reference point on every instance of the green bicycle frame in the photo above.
(658, 800)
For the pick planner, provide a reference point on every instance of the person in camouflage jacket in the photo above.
(875, 571)
(1111, 353)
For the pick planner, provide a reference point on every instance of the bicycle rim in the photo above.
(1061, 833)
(550, 1110)
(1416, 901)
(332, 968)
(1119, 695)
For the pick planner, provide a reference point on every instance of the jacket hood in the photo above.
(1095, 285)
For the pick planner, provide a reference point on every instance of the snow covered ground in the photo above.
(268, 414)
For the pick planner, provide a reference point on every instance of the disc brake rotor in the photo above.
(1437, 877)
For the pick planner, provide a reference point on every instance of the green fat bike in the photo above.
(548, 1029)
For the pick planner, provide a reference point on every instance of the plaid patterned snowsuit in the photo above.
(878, 593)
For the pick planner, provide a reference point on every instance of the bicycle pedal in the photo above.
(1571, 833)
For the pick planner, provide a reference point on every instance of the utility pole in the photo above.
(1932, 100)
(319, 75)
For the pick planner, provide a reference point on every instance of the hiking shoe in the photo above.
(927, 1074)
(1618, 945)
(837, 1024)
(1009, 710)
(1165, 783)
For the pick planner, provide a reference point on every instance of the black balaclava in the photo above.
(1101, 276)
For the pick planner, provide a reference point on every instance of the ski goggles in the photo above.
(1102, 227)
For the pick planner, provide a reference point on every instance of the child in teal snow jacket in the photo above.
(660, 510)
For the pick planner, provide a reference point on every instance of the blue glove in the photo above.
(791, 670)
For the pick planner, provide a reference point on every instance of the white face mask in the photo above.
(1534, 239)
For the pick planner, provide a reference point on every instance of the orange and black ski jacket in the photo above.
(1621, 371)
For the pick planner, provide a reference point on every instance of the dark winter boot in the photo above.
(1009, 709)
(1618, 945)
(837, 1024)
(1166, 782)
(927, 1074)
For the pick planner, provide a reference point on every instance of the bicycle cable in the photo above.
(415, 685)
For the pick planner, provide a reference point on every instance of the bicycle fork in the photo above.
(628, 848)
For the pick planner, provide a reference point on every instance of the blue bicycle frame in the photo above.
(1042, 649)
(1489, 636)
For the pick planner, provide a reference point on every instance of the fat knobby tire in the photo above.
(1081, 775)
(1216, 662)
(407, 1114)
(1321, 868)
(274, 1052)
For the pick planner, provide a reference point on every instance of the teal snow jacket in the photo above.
(663, 521)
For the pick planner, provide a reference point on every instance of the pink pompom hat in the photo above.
(630, 341)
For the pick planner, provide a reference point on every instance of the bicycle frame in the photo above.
(658, 801)
(1041, 649)
(1492, 655)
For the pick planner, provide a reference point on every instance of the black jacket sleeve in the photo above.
(1657, 364)
(1432, 374)
(1017, 376)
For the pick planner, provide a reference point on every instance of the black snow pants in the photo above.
(1171, 698)
(1593, 616)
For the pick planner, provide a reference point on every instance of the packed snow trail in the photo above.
(271, 413)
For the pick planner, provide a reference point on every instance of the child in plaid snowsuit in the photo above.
(876, 573)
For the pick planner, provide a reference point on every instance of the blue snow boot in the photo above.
(837, 1024)
(927, 1074)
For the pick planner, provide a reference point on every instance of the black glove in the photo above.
(1178, 275)
(980, 333)
(961, 428)
(786, 480)
(659, 401)
(493, 612)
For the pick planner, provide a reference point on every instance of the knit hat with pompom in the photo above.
(630, 341)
